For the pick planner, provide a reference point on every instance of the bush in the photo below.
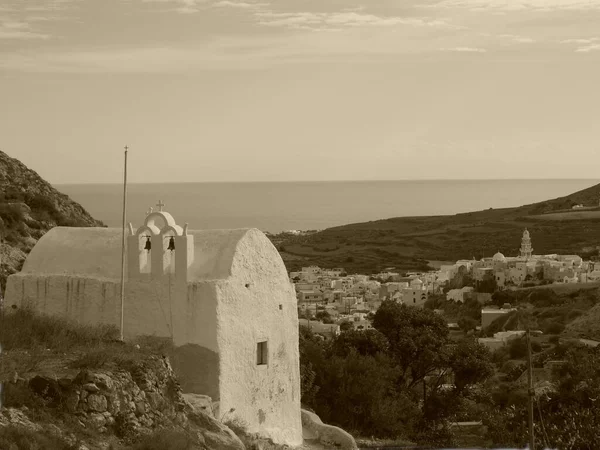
(21, 438)
(12, 215)
(554, 328)
(167, 440)
(517, 348)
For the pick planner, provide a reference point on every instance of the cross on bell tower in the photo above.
(160, 205)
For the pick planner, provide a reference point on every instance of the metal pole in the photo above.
(530, 391)
(123, 243)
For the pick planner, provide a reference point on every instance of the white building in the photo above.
(223, 296)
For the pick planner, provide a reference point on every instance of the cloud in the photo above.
(13, 29)
(519, 5)
(345, 19)
(238, 4)
(231, 53)
(464, 50)
(516, 38)
(580, 41)
(588, 48)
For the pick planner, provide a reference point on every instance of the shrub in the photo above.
(21, 438)
(11, 215)
(554, 328)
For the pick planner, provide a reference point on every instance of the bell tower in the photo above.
(526, 250)
(159, 248)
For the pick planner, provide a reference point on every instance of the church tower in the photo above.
(526, 249)
(160, 248)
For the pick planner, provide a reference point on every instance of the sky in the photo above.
(286, 90)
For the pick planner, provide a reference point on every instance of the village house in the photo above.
(222, 296)
(489, 315)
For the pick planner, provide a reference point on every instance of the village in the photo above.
(331, 301)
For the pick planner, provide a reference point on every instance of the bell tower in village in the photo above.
(526, 250)
(159, 247)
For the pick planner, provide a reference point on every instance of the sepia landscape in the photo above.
(299, 225)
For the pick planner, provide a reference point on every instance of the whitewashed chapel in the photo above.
(222, 295)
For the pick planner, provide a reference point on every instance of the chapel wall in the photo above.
(258, 304)
(149, 309)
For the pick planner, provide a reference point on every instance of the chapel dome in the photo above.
(499, 257)
(417, 281)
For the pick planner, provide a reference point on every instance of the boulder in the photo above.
(328, 435)
(200, 402)
(216, 435)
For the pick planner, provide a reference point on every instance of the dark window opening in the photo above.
(262, 353)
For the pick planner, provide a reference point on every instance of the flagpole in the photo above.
(123, 243)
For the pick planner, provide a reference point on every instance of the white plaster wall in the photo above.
(267, 398)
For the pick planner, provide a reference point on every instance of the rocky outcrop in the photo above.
(328, 435)
(115, 405)
(30, 206)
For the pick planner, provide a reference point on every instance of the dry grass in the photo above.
(33, 342)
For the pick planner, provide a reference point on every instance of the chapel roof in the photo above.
(96, 253)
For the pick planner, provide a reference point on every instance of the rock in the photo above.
(65, 382)
(97, 420)
(12, 416)
(217, 435)
(327, 435)
(71, 402)
(102, 380)
(97, 402)
(200, 402)
(155, 400)
(91, 387)
(140, 408)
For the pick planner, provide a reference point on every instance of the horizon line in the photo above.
(322, 181)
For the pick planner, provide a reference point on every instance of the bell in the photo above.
(171, 244)
(148, 245)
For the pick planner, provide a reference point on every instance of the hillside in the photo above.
(409, 243)
(71, 387)
(29, 207)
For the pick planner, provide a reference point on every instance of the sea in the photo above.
(281, 206)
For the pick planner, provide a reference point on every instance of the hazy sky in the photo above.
(226, 90)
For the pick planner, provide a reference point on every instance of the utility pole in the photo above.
(123, 244)
(530, 391)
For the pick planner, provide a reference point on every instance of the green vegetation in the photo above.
(373, 383)
(408, 243)
(391, 382)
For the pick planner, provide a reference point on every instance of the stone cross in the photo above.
(160, 205)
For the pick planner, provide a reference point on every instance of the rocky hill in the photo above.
(72, 387)
(29, 207)
(410, 243)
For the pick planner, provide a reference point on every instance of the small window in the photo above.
(280, 306)
(262, 353)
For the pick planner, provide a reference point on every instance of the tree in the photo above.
(359, 393)
(517, 348)
(312, 357)
(346, 325)
(365, 343)
(417, 339)
(471, 363)
(324, 316)
(467, 324)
